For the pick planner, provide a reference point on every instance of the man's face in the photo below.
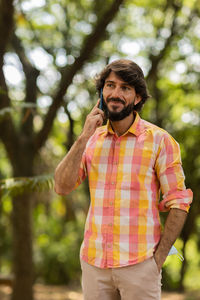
(119, 97)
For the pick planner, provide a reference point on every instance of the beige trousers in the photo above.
(137, 282)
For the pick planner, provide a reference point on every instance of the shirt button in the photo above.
(111, 203)
(110, 224)
(109, 245)
(112, 182)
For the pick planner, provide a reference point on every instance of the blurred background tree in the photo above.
(50, 52)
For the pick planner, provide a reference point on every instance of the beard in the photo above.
(118, 116)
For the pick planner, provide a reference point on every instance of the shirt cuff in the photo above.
(179, 199)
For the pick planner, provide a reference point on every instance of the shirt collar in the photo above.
(136, 128)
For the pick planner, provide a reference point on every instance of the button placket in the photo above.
(113, 181)
(115, 162)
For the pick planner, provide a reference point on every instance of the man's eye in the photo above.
(125, 88)
(109, 84)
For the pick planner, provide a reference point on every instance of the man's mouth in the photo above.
(115, 106)
(115, 101)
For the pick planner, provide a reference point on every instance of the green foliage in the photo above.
(5, 233)
(172, 269)
(16, 186)
(57, 245)
(191, 277)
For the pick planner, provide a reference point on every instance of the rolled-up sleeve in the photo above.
(82, 171)
(171, 176)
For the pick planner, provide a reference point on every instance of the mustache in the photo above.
(116, 100)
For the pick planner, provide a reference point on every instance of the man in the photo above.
(128, 162)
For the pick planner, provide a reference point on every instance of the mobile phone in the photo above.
(101, 100)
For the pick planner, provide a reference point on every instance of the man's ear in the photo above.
(138, 98)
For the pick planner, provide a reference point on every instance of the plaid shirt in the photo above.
(126, 175)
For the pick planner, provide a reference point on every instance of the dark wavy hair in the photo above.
(130, 73)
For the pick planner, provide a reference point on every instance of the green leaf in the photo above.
(4, 112)
(19, 185)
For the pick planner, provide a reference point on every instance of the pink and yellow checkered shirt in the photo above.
(126, 175)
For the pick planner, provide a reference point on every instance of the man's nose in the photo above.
(116, 92)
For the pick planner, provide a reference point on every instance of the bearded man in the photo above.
(129, 162)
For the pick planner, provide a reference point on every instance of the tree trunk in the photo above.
(183, 268)
(22, 227)
(22, 248)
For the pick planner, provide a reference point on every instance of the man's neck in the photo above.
(120, 127)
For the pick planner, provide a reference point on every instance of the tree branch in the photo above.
(6, 24)
(175, 29)
(155, 60)
(153, 74)
(89, 44)
(8, 133)
(70, 135)
(31, 74)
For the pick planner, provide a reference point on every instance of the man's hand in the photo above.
(159, 259)
(93, 120)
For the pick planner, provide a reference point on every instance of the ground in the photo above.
(44, 292)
